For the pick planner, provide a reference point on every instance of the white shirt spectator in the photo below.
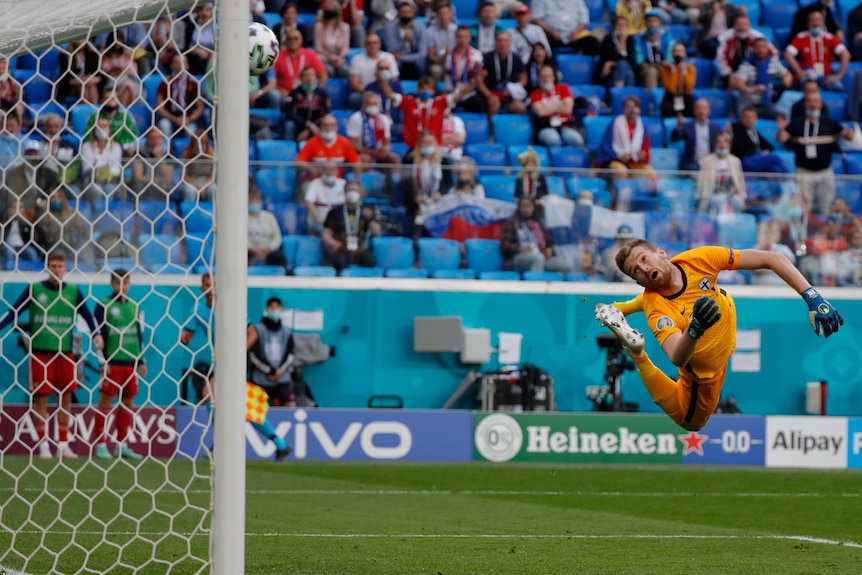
(354, 125)
(105, 165)
(365, 67)
(453, 125)
(564, 16)
(324, 196)
(523, 40)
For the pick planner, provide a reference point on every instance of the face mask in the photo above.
(722, 151)
(837, 216)
(309, 87)
(330, 14)
(4, 76)
(464, 182)
(273, 315)
(352, 197)
(328, 179)
(653, 31)
(427, 150)
(56, 206)
(386, 74)
(327, 135)
(812, 113)
(547, 86)
(405, 20)
(254, 208)
(795, 212)
(110, 109)
(100, 134)
(678, 59)
(816, 31)
(425, 95)
(372, 110)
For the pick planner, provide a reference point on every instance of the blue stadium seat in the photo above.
(576, 69)
(477, 127)
(359, 272)
(314, 271)
(79, 115)
(393, 252)
(767, 32)
(272, 19)
(753, 9)
(275, 151)
(487, 156)
(850, 193)
(483, 255)
(782, 37)
(705, 73)
(596, 9)
(618, 94)
(373, 182)
(454, 275)
(288, 248)
(36, 87)
(143, 117)
(439, 254)
(595, 127)
(309, 252)
(197, 217)
(342, 116)
(655, 129)
(151, 88)
(407, 274)
(589, 91)
(836, 102)
(409, 86)
(660, 229)
(178, 145)
(262, 270)
(578, 184)
(788, 158)
(696, 230)
(158, 218)
(336, 89)
(838, 164)
(512, 129)
(769, 129)
(500, 276)
(719, 102)
(499, 187)
(465, 9)
(199, 250)
(292, 218)
(738, 231)
(681, 33)
(556, 186)
(569, 157)
(669, 125)
(853, 162)
(531, 276)
(676, 195)
(512, 153)
(158, 250)
(278, 186)
(664, 158)
(778, 13)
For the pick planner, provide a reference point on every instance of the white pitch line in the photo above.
(801, 538)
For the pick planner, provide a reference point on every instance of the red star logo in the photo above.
(693, 441)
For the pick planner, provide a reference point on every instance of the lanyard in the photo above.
(755, 139)
(500, 78)
(461, 74)
(814, 131)
(351, 225)
(301, 64)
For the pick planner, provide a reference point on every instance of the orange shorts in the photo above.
(52, 373)
(697, 399)
(122, 380)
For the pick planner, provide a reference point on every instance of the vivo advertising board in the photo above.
(320, 434)
(817, 442)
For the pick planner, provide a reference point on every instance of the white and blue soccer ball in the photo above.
(262, 49)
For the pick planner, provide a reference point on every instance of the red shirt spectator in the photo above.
(346, 10)
(328, 146)
(559, 93)
(290, 63)
(816, 52)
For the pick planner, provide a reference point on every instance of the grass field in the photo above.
(356, 518)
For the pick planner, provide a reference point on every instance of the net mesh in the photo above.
(94, 173)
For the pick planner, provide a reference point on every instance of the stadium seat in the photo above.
(158, 218)
(409, 86)
(439, 254)
(659, 228)
(309, 252)
(569, 157)
(838, 164)
(836, 102)
(158, 250)
(666, 159)
(275, 151)
(292, 218)
(359, 272)
(314, 271)
(342, 116)
(669, 125)
(400, 148)
(79, 115)
(589, 91)
(278, 186)
(576, 69)
(696, 230)
(500, 276)
(393, 252)
(37, 88)
(676, 195)
(512, 129)
(151, 88)
(850, 193)
(465, 9)
(596, 9)
(288, 248)
(454, 275)
(477, 127)
(769, 129)
(197, 217)
(407, 274)
(546, 276)
(512, 153)
(681, 33)
(618, 94)
(705, 73)
(46, 62)
(853, 163)
(143, 117)
(738, 231)
(261, 270)
(788, 158)
(499, 187)
(719, 101)
(199, 250)
(373, 182)
(595, 127)
(336, 89)
(487, 156)
(483, 255)
(655, 129)
(272, 19)
(556, 186)
(782, 37)
(778, 13)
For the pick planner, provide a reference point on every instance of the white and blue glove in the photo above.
(825, 319)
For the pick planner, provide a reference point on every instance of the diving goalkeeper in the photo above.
(694, 320)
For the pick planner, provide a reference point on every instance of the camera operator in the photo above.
(616, 364)
(270, 355)
(348, 229)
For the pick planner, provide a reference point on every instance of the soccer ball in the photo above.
(262, 49)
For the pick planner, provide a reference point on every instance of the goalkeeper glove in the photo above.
(825, 319)
(704, 316)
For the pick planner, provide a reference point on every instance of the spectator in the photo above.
(292, 59)
(348, 231)
(505, 79)
(678, 78)
(607, 257)
(552, 106)
(18, 234)
(827, 9)
(404, 38)
(198, 168)
(734, 47)
(565, 22)
(484, 32)
(179, 103)
(153, 170)
(327, 146)
(464, 64)
(698, 135)
(32, 180)
(264, 235)
(11, 92)
(123, 128)
(854, 33)
(427, 180)
(525, 34)
(715, 18)
(79, 78)
(353, 14)
(755, 79)
(836, 263)
(813, 141)
(799, 225)
(119, 73)
(625, 146)
(539, 58)
(305, 107)
(769, 239)
(61, 149)
(321, 195)
(810, 54)
(363, 68)
(465, 183)
(332, 40)
(52, 366)
(670, 12)
(752, 147)
(270, 357)
(263, 92)
(369, 132)
(454, 137)
(60, 229)
(430, 9)
(101, 163)
(633, 13)
(10, 139)
(854, 254)
(526, 243)
(653, 50)
(841, 211)
(384, 74)
(439, 41)
(200, 39)
(720, 183)
(617, 56)
(797, 110)
(530, 182)
(161, 39)
(289, 14)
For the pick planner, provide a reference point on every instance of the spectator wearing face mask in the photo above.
(404, 38)
(321, 195)
(122, 125)
(305, 107)
(720, 181)
(369, 131)
(327, 146)
(427, 180)
(264, 235)
(348, 232)
(388, 108)
(153, 170)
(101, 163)
(678, 79)
(270, 356)
(810, 55)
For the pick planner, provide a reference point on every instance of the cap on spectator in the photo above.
(32, 146)
(654, 12)
(522, 9)
(624, 232)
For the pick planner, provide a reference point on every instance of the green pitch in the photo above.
(343, 518)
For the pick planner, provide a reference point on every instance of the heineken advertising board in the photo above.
(578, 438)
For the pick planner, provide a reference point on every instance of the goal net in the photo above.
(103, 193)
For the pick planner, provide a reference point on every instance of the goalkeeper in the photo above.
(694, 320)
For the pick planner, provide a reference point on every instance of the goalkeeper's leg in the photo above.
(663, 389)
